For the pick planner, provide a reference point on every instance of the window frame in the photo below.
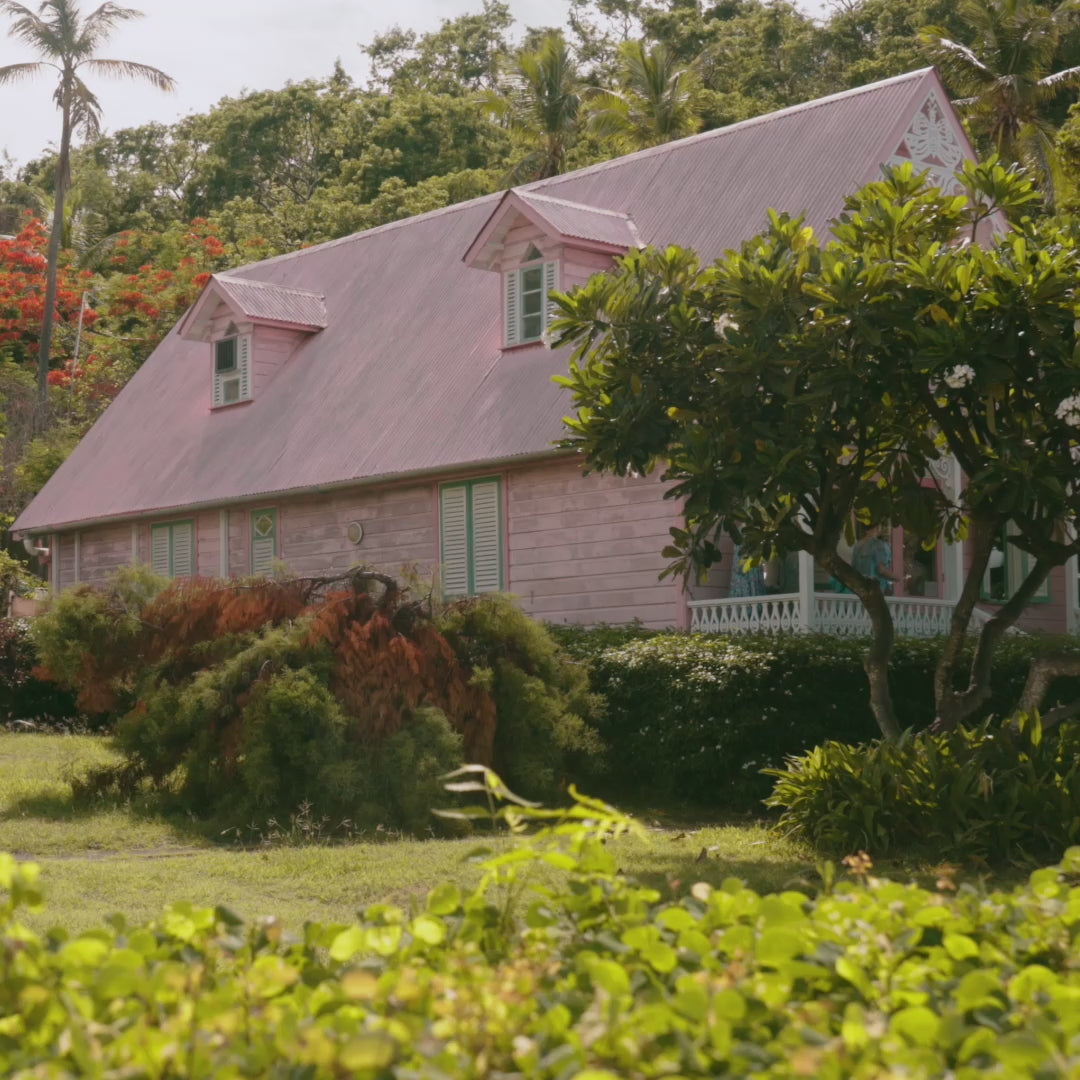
(514, 296)
(240, 373)
(470, 540)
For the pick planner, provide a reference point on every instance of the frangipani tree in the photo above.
(794, 387)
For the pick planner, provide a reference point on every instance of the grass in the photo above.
(117, 857)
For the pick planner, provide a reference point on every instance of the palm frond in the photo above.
(1060, 80)
(98, 26)
(85, 109)
(129, 69)
(957, 62)
(14, 73)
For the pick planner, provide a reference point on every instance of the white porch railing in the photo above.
(746, 614)
(841, 614)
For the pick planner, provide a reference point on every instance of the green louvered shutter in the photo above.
(160, 557)
(486, 529)
(263, 541)
(454, 538)
(243, 363)
(551, 283)
(183, 549)
(511, 306)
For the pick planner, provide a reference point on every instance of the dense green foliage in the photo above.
(24, 696)
(801, 384)
(692, 717)
(253, 698)
(993, 792)
(586, 975)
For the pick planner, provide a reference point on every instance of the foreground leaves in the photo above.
(598, 976)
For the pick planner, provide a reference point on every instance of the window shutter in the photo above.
(183, 550)
(454, 539)
(219, 392)
(511, 317)
(263, 541)
(159, 551)
(486, 536)
(243, 363)
(551, 284)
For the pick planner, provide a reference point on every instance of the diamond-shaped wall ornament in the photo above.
(264, 525)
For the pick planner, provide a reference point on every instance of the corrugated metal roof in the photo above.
(409, 375)
(583, 222)
(259, 300)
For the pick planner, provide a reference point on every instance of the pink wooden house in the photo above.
(387, 398)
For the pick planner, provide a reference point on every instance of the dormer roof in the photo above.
(256, 302)
(574, 224)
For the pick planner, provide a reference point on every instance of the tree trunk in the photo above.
(1042, 673)
(947, 708)
(877, 656)
(957, 706)
(56, 235)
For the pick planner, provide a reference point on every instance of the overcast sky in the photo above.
(215, 48)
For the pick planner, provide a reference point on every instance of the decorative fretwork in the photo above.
(931, 143)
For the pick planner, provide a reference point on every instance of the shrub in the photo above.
(23, 694)
(697, 717)
(542, 699)
(992, 792)
(587, 975)
(252, 698)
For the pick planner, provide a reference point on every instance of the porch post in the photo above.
(952, 570)
(1072, 595)
(806, 591)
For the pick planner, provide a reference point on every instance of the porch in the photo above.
(841, 614)
(815, 608)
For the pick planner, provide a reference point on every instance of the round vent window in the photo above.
(356, 533)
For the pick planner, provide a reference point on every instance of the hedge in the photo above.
(695, 718)
(592, 977)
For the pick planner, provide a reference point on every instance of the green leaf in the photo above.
(444, 899)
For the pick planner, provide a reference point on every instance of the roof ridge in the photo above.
(715, 133)
(612, 163)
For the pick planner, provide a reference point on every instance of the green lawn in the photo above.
(122, 858)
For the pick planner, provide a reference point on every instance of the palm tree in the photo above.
(1006, 77)
(541, 100)
(68, 43)
(659, 100)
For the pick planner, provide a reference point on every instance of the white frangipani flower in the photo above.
(962, 375)
(1069, 411)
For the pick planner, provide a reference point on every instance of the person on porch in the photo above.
(872, 557)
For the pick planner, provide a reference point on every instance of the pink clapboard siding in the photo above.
(576, 266)
(239, 543)
(65, 553)
(271, 347)
(587, 549)
(208, 544)
(102, 552)
(398, 521)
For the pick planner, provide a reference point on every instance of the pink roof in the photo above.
(261, 302)
(409, 377)
(574, 223)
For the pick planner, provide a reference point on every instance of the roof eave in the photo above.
(18, 531)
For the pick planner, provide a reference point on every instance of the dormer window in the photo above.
(527, 309)
(232, 369)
